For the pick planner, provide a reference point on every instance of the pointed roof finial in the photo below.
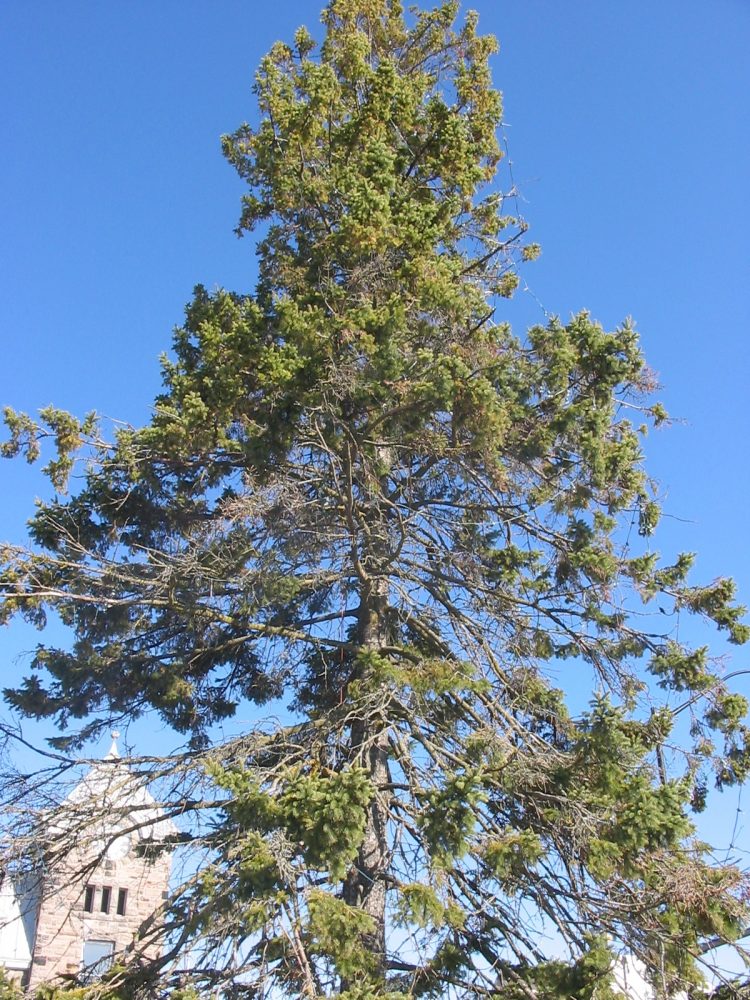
(114, 753)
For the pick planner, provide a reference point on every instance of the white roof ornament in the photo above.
(114, 753)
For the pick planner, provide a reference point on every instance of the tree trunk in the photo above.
(365, 886)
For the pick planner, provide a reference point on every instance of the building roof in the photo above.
(106, 814)
(110, 798)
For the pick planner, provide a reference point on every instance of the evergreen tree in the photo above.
(363, 493)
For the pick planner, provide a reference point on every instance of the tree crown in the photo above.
(361, 491)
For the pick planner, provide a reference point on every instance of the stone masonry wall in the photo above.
(63, 926)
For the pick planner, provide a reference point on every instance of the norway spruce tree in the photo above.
(364, 498)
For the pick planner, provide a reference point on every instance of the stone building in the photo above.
(76, 914)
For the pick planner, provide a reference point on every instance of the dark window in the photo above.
(106, 898)
(88, 898)
(122, 902)
(97, 958)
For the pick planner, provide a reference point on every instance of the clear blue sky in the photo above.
(629, 129)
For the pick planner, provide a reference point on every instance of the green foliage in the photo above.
(337, 931)
(328, 815)
(67, 433)
(714, 601)
(682, 669)
(324, 815)
(589, 978)
(370, 992)
(449, 816)
(420, 905)
(512, 856)
(8, 989)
